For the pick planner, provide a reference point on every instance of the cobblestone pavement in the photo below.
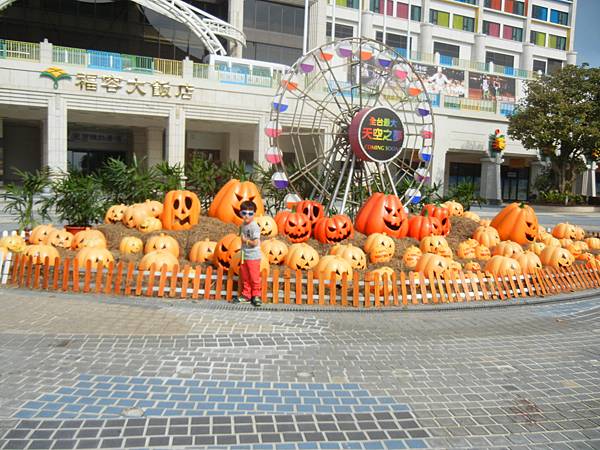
(95, 372)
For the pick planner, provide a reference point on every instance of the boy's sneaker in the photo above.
(241, 299)
(256, 301)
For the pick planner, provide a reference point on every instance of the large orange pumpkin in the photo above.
(203, 251)
(380, 247)
(159, 258)
(60, 238)
(503, 265)
(115, 213)
(593, 243)
(40, 233)
(225, 249)
(296, 226)
(226, 204)
(487, 236)
(382, 213)
(39, 252)
(275, 250)
(564, 231)
(267, 225)
(422, 226)
(354, 255)
(301, 256)
(98, 257)
(313, 209)
(509, 249)
(134, 215)
(440, 213)
(557, 257)
(162, 242)
(529, 262)
(333, 265)
(89, 238)
(517, 222)
(334, 229)
(431, 263)
(181, 210)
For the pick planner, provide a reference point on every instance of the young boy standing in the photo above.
(250, 263)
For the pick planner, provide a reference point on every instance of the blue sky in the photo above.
(587, 32)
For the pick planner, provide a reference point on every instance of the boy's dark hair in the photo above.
(248, 205)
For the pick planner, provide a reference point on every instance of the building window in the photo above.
(514, 7)
(276, 17)
(513, 33)
(539, 12)
(447, 50)
(494, 4)
(538, 38)
(554, 65)
(391, 39)
(557, 42)
(500, 59)
(562, 18)
(439, 18)
(402, 10)
(341, 31)
(464, 173)
(272, 53)
(470, 2)
(463, 23)
(539, 66)
(347, 3)
(415, 13)
(491, 28)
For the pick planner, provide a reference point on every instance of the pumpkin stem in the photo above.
(426, 213)
(522, 205)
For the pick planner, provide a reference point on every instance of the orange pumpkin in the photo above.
(471, 242)
(565, 242)
(593, 243)
(134, 215)
(162, 242)
(181, 210)
(453, 265)
(557, 257)
(380, 247)
(149, 224)
(313, 210)
(517, 222)
(446, 252)
(431, 263)
(274, 250)
(577, 248)
(98, 257)
(487, 236)
(579, 233)
(564, 231)
(154, 208)
(331, 265)
(503, 266)
(225, 249)
(382, 272)
(130, 245)
(115, 213)
(411, 256)
(473, 266)
(60, 238)
(160, 259)
(551, 241)
(89, 238)
(14, 243)
(509, 249)
(382, 213)
(440, 213)
(537, 247)
(529, 262)
(267, 225)
(432, 244)
(586, 257)
(422, 226)
(334, 229)
(226, 205)
(296, 226)
(39, 252)
(236, 260)
(454, 208)
(40, 233)
(465, 250)
(482, 252)
(301, 257)
(472, 216)
(203, 251)
(354, 255)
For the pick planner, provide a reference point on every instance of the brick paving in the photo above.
(96, 372)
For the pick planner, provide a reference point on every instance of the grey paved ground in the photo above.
(76, 372)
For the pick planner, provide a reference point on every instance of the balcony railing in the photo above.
(29, 51)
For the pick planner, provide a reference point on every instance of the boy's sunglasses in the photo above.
(247, 213)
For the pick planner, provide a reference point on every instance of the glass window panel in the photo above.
(276, 16)
(457, 22)
(415, 13)
(262, 15)
(402, 10)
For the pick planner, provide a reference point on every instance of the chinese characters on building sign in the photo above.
(112, 84)
(376, 134)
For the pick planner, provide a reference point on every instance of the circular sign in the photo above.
(376, 134)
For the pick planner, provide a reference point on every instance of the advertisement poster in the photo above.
(441, 80)
(491, 87)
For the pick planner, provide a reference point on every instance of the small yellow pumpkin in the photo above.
(465, 250)
(454, 208)
(162, 241)
(354, 255)
(432, 263)
(60, 238)
(301, 256)
(161, 258)
(154, 208)
(536, 247)
(40, 233)
(380, 247)
(99, 257)
(482, 252)
(472, 266)
(267, 225)
(14, 243)
(529, 262)
(131, 245)
(593, 243)
(39, 252)
(432, 244)
(88, 238)
(134, 215)
(150, 224)
(503, 265)
(557, 257)
(411, 256)
(487, 236)
(508, 248)
(330, 265)
(203, 251)
(115, 213)
(275, 250)
(564, 231)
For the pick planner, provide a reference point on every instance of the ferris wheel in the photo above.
(359, 120)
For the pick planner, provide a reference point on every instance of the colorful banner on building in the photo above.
(441, 80)
(491, 87)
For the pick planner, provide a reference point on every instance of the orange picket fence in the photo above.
(282, 285)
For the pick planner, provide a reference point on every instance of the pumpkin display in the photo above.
(301, 257)
(134, 215)
(440, 213)
(499, 265)
(154, 208)
(472, 266)
(432, 244)
(115, 213)
(542, 234)
(432, 263)
(565, 242)
(98, 257)
(39, 252)
(446, 252)
(296, 226)
(14, 243)
(60, 238)
(517, 222)
(202, 251)
(556, 257)
(529, 262)
(579, 233)
(422, 226)
(382, 271)
(275, 250)
(577, 248)
(225, 249)
(382, 213)
(160, 259)
(551, 241)
(593, 264)
(482, 252)
(313, 210)
(88, 238)
(454, 208)
(130, 245)
(334, 229)
(354, 255)
(226, 204)
(454, 265)
(508, 248)
(380, 247)
(564, 230)
(465, 250)
(472, 216)
(536, 247)
(181, 210)
(236, 260)
(330, 265)
(593, 243)
(40, 233)
(487, 236)
(411, 256)
(267, 225)
(149, 224)
(585, 257)
(162, 242)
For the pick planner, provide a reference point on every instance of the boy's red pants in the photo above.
(250, 276)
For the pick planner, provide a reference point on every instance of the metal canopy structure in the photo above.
(206, 26)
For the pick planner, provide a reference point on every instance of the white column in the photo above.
(426, 38)
(479, 48)
(572, 58)
(54, 151)
(45, 52)
(154, 145)
(236, 19)
(491, 187)
(317, 12)
(262, 142)
(366, 26)
(572, 19)
(527, 57)
(231, 152)
(176, 136)
(188, 69)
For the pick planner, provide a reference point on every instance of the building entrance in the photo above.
(515, 183)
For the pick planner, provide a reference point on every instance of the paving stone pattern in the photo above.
(519, 377)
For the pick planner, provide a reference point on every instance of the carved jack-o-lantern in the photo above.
(274, 250)
(150, 224)
(382, 213)
(154, 208)
(333, 265)
(433, 244)
(225, 249)
(99, 257)
(380, 247)
(354, 255)
(40, 233)
(432, 263)
(115, 213)
(60, 238)
(425, 225)
(473, 266)
(411, 256)
(226, 205)
(14, 243)
(529, 262)
(465, 250)
(334, 229)
(39, 252)
(440, 213)
(487, 236)
(162, 242)
(564, 231)
(130, 245)
(314, 210)
(301, 257)
(557, 257)
(159, 258)
(89, 238)
(446, 252)
(203, 251)
(517, 222)
(509, 249)
(536, 247)
(267, 225)
(296, 226)
(454, 208)
(503, 265)
(482, 252)
(134, 215)
(181, 210)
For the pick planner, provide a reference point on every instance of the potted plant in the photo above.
(24, 198)
(78, 200)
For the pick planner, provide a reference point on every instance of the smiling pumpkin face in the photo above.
(411, 256)
(314, 210)
(382, 213)
(330, 266)
(517, 222)
(433, 244)
(267, 225)
(162, 242)
(181, 210)
(296, 226)
(40, 233)
(14, 243)
(557, 257)
(301, 257)
(131, 245)
(226, 204)
(150, 224)
(274, 250)
(334, 229)
(60, 238)
(115, 213)
(134, 215)
(380, 247)
(431, 263)
(354, 255)
(225, 249)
